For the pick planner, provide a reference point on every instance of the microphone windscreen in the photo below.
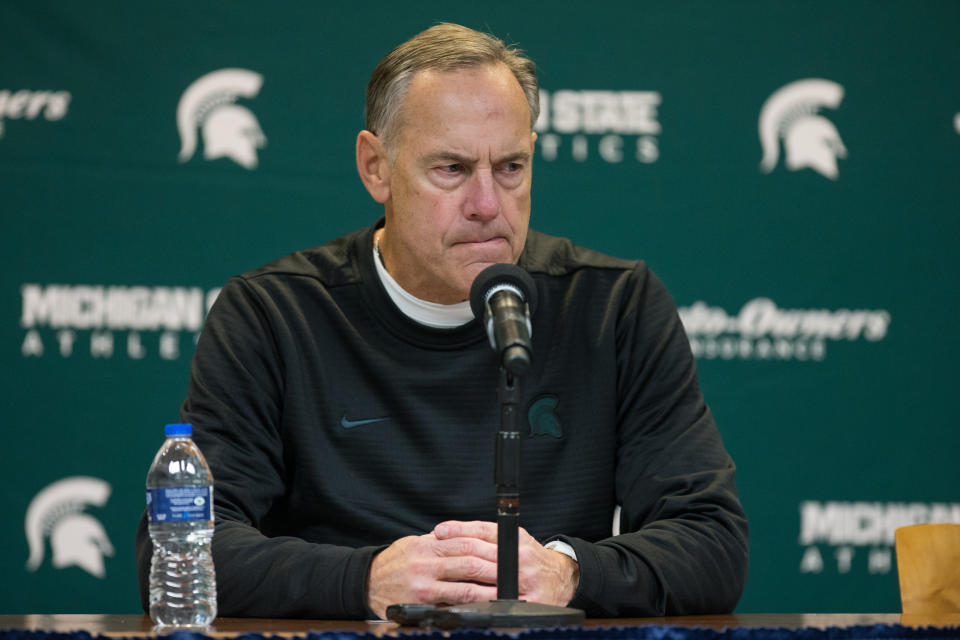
(500, 274)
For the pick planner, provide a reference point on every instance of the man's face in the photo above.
(459, 184)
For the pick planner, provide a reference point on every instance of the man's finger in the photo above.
(466, 547)
(475, 529)
(468, 569)
(462, 592)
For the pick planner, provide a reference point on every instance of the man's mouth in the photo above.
(484, 241)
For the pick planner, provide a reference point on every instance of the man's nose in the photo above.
(482, 202)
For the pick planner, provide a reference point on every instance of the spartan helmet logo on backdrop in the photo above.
(809, 139)
(229, 130)
(76, 538)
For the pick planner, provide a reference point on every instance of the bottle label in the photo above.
(177, 504)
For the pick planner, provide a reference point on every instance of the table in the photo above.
(138, 625)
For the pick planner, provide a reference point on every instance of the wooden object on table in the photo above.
(928, 562)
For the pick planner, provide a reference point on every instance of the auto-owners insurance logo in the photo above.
(609, 126)
(25, 104)
(762, 330)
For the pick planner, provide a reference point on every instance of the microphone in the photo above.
(503, 297)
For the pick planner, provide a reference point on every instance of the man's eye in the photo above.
(512, 167)
(452, 168)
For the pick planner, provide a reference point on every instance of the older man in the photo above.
(345, 397)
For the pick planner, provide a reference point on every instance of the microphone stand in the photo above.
(507, 610)
(506, 476)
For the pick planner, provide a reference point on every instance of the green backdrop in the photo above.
(819, 290)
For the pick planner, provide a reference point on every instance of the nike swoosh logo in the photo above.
(350, 424)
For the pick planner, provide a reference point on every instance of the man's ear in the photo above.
(373, 165)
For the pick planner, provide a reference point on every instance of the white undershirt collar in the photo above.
(432, 314)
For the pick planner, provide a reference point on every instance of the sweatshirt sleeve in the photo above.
(683, 546)
(234, 402)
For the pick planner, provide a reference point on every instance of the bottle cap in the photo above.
(178, 430)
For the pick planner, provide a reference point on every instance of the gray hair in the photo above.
(444, 47)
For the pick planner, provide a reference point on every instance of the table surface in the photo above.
(140, 625)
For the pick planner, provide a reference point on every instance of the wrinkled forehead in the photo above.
(491, 74)
(488, 91)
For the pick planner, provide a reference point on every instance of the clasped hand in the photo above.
(456, 563)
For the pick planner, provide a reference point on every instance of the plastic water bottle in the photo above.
(183, 589)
